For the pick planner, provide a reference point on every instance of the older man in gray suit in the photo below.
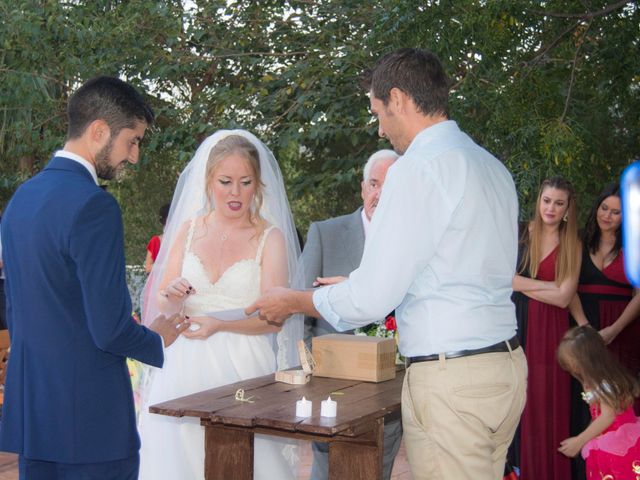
(334, 248)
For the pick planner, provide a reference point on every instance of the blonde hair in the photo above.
(569, 245)
(583, 354)
(239, 145)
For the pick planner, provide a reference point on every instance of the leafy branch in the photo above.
(586, 15)
(573, 72)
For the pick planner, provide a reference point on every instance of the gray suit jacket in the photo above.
(333, 247)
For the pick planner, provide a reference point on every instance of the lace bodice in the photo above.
(237, 287)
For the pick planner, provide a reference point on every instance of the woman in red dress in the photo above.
(546, 281)
(153, 247)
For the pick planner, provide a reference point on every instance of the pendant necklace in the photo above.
(224, 236)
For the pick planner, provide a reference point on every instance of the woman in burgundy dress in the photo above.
(605, 297)
(604, 292)
(545, 283)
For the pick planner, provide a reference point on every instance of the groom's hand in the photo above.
(169, 328)
(279, 303)
(274, 306)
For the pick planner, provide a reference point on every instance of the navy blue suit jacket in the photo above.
(68, 393)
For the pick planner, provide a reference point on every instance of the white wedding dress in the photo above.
(173, 448)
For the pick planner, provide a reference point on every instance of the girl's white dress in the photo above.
(173, 448)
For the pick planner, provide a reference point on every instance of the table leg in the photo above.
(228, 453)
(358, 458)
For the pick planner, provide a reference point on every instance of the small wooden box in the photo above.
(298, 376)
(354, 357)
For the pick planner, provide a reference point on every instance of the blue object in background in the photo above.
(630, 193)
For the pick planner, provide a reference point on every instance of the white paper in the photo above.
(231, 315)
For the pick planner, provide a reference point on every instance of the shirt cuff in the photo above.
(321, 302)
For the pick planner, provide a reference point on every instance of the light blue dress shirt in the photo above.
(441, 250)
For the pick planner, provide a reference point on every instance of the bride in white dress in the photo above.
(229, 237)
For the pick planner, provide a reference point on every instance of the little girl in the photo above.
(611, 443)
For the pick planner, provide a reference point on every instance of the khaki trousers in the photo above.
(459, 415)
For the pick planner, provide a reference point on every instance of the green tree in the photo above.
(549, 87)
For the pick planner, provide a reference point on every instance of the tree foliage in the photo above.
(549, 87)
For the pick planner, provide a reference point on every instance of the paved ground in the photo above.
(400, 467)
(9, 465)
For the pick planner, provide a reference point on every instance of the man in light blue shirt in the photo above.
(442, 251)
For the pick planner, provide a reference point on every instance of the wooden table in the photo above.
(355, 436)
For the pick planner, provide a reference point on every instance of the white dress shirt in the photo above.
(77, 158)
(441, 250)
(365, 223)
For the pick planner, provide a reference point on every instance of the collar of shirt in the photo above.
(433, 133)
(365, 223)
(77, 158)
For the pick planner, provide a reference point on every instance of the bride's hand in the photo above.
(208, 326)
(178, 289)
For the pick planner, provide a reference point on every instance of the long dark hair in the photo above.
(591, 235)
(163, 213)
(583, 354)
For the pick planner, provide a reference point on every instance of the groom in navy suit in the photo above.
(68, 409)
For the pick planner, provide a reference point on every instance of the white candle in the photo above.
(303, 408)
(328, 408)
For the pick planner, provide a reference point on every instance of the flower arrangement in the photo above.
(137, 372)
(384, 328)
(390, 323)
(374, 330)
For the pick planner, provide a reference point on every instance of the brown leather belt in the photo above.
(498, 347)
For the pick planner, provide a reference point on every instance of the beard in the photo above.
(104, 164)
(399, 146)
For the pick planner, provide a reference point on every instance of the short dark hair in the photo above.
(109, 99)
(418, 73)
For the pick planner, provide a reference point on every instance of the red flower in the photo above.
(390, 323)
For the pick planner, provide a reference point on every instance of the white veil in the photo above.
(190, 199)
